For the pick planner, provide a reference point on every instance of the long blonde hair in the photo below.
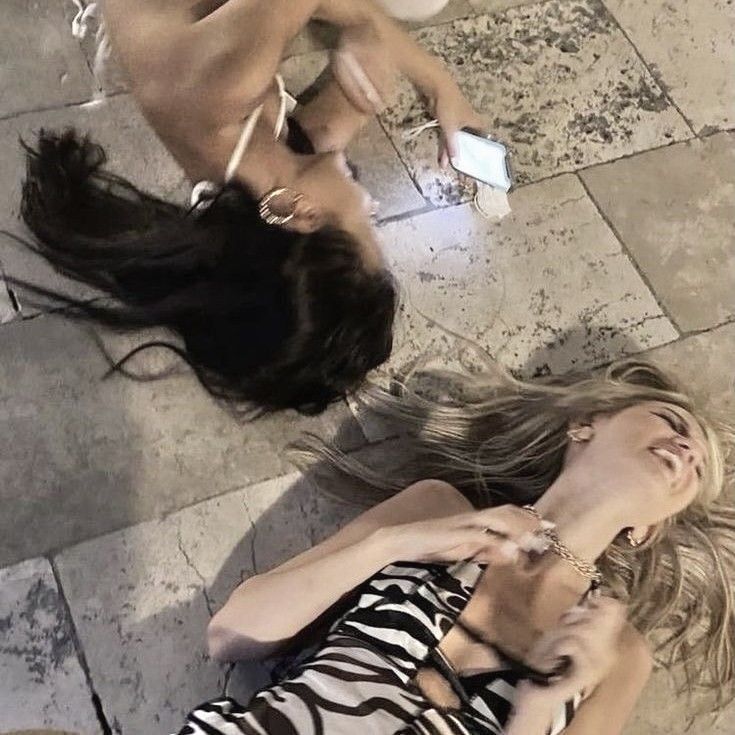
(499, 439)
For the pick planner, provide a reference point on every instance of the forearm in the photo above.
(269, 609)
(611, 704)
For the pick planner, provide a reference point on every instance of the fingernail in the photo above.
(547, 525)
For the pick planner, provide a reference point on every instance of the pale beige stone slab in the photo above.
(674, 209)
(88, 456)
(133, 152)
(661, 711)
(142, 619)
(41, 64)
(141, 616)
(546, 289)
(558, 82)
(704, 363)
(42, 684)
(494, 6)
(690, 44)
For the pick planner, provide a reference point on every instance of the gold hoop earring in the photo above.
(268, 215)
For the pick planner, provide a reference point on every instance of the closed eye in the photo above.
(675, 423)
(680, 426)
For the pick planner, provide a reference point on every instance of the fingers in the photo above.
(443, 158)
(587, 639)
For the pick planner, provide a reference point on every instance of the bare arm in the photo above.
(255, 620)
(255, 32)
(608, 708)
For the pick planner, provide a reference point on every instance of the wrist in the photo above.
(385, 545)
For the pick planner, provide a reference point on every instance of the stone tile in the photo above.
(557, 81)
(134, 152)
(41, 64)
(690, 45)
(495, 6)
(674, 209)
(88, 456)
(547, 288)
(661, 711)
(143, 621)
(42, 684)
(704, 364)
(380, 169)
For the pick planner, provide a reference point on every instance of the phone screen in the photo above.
(482, 159)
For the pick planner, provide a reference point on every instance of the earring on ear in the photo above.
(581, 434)
(636, 542)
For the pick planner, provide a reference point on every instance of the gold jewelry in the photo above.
(581, 434)
(587, 569)
(633, 541)
(268, 215)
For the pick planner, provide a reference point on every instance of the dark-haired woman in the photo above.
(274, 281)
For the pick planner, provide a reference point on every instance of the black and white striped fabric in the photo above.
(359, 681)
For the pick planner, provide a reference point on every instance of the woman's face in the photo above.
(654, 455)
(328, 181)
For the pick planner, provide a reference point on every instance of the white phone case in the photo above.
(483, 159)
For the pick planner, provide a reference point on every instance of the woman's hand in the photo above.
(583, 648)
(367, 64)
(453, 112)
(493, 534)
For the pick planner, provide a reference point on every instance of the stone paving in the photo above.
(131, 509)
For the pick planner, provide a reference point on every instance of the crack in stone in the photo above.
(253, 536)
(190, 564)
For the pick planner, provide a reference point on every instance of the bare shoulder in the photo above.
(437, 498)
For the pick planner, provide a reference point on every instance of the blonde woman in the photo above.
(583, 517)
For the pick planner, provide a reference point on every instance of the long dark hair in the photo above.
(268, 319)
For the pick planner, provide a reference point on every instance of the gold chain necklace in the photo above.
(587, 569)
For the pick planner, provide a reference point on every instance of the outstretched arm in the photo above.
(429, 521)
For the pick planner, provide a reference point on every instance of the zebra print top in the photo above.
(359, 682)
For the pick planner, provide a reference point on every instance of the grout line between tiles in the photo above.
(81, 657)
(65, 106)
(406, 168)
(629, 255)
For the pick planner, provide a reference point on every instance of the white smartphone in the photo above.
(483, 159)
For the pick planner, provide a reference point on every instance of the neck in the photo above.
(267, 165)
(585, 522)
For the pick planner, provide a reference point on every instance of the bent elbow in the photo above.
(219, 641)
